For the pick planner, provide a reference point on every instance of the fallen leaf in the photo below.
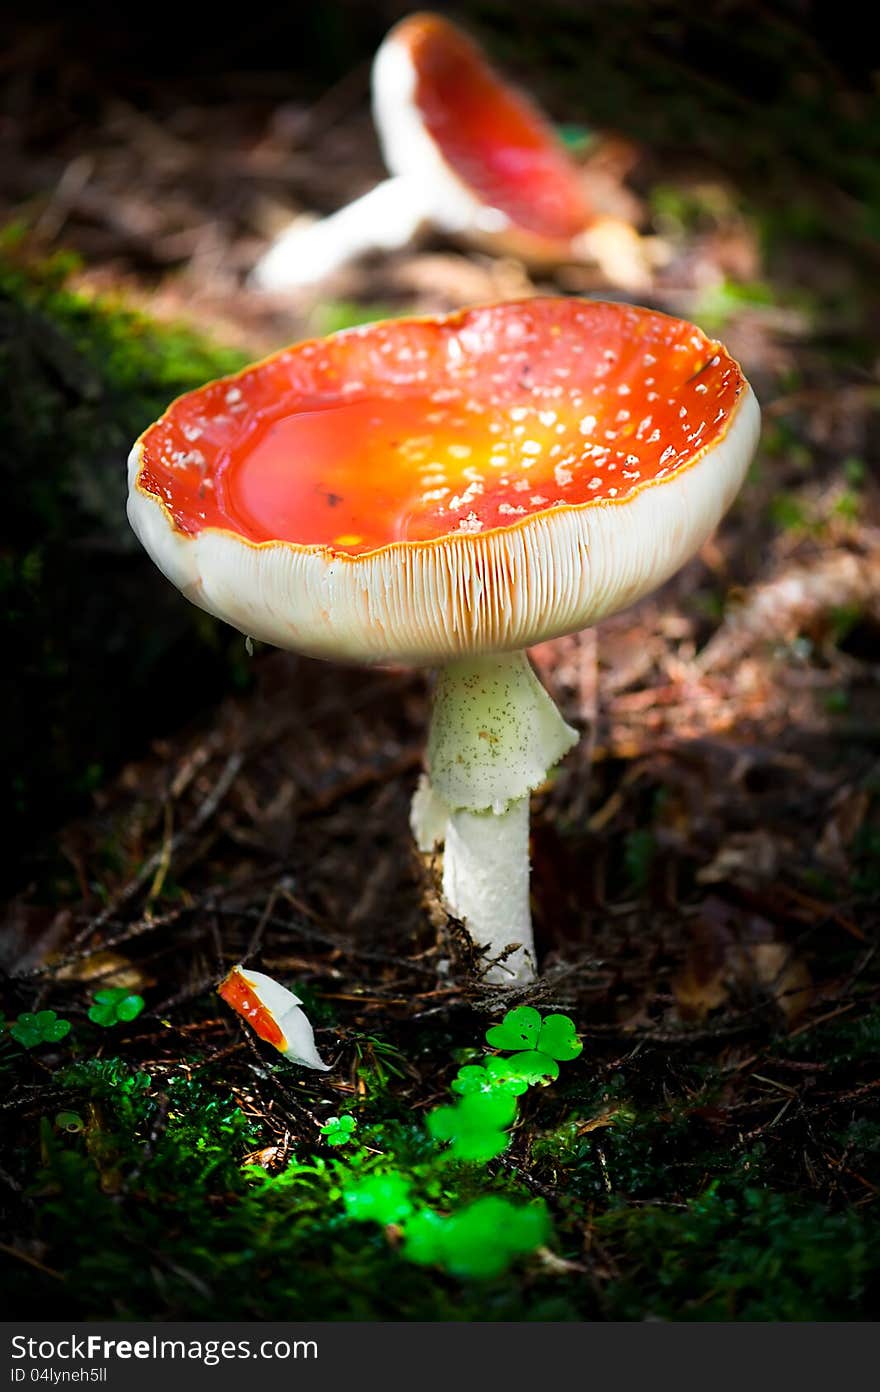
(696, 994)
(747, 857)
(110, 968)
(849, 808)
(784, 975)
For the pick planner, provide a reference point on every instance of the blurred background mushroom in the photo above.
(469, 156)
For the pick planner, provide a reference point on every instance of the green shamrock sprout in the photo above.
(482, 1240)
(42, 1028)
(113, 1005)
(338, 1130)
(379, 1198)
(541, 1044)
(476, 1125)
(495, 1075)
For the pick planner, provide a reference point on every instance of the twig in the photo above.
(166, 852)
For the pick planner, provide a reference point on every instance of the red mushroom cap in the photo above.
(242, 993)
(442, 110)
(420, 489)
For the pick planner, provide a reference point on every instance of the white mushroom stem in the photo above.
(486, 885)
(386, 218)
(495, 735)
(392, 214)
(617, 249)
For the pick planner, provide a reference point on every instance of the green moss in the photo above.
(82, 609)
(640, 848)
(836, 1042)
(747, 1255)
(150, 1211)
(788, 513)
(720, 303)
(151, 1206)
(848, 505)
(331, 316)
(562, 1146)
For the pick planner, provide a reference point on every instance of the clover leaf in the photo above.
(558, 1038)
(495, 1074)
(479, 1241)
(519, 1029)
(113, 1005)
(542, 1043)
(379, 1198)
(338, 1130)
(475, 1126)
(534, 1067)
(42, 1028)
(425, 1235)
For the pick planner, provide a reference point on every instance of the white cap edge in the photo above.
(432, 602)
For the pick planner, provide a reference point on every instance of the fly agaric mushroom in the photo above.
(468, 155)
(273, 1013)
(445, 492)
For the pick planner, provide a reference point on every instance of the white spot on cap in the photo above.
(184, 459)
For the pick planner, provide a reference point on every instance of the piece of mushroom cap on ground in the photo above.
(468, 155)
(273, 1013)
(446, 492)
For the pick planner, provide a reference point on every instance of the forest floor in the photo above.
(706, 863)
